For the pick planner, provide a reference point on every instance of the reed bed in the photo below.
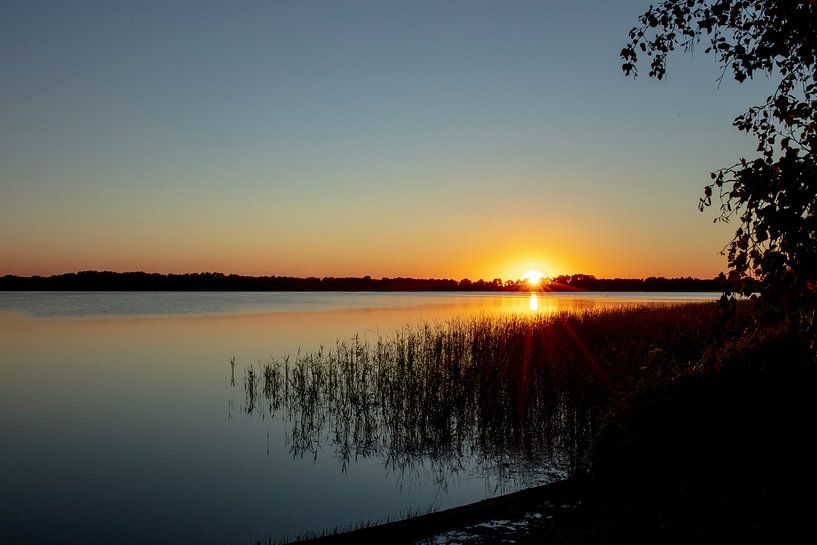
(501, 390)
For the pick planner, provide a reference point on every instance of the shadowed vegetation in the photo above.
(673, 425)
(500, 392)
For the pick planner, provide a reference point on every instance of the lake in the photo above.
(119, 421)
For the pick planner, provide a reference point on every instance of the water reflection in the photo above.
(484, 395)
(111, 417)
(533, 303)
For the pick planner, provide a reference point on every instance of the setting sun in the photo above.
(533, 277)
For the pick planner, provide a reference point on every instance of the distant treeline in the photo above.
(141, 281)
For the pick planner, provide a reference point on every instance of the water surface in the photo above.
(118, 421)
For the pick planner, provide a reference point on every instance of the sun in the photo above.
(533, 278)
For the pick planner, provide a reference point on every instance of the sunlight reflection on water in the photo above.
(113, 412)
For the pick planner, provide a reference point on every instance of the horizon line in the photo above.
(588, 276)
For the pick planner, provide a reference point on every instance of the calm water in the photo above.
(118, 422)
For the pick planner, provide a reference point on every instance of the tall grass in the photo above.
(496, 389)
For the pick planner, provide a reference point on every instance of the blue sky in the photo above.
(329, 138)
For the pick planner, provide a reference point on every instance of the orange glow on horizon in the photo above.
(473, 263)
(533, 278)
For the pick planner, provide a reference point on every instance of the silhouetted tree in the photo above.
(774, 195)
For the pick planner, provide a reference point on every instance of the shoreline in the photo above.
(412, 529)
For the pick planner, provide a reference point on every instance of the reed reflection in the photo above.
(493, 394)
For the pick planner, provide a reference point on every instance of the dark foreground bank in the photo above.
(721, 452)
(562, 514)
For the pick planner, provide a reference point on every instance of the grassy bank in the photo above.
(670, 421)
(736, 427)
(643, 407)
(721, 453)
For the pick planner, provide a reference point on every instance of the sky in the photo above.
(445, 139)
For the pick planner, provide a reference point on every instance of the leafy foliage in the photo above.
(773, 196)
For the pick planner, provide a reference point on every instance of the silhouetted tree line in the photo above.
(141, 281)
(587, 282)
